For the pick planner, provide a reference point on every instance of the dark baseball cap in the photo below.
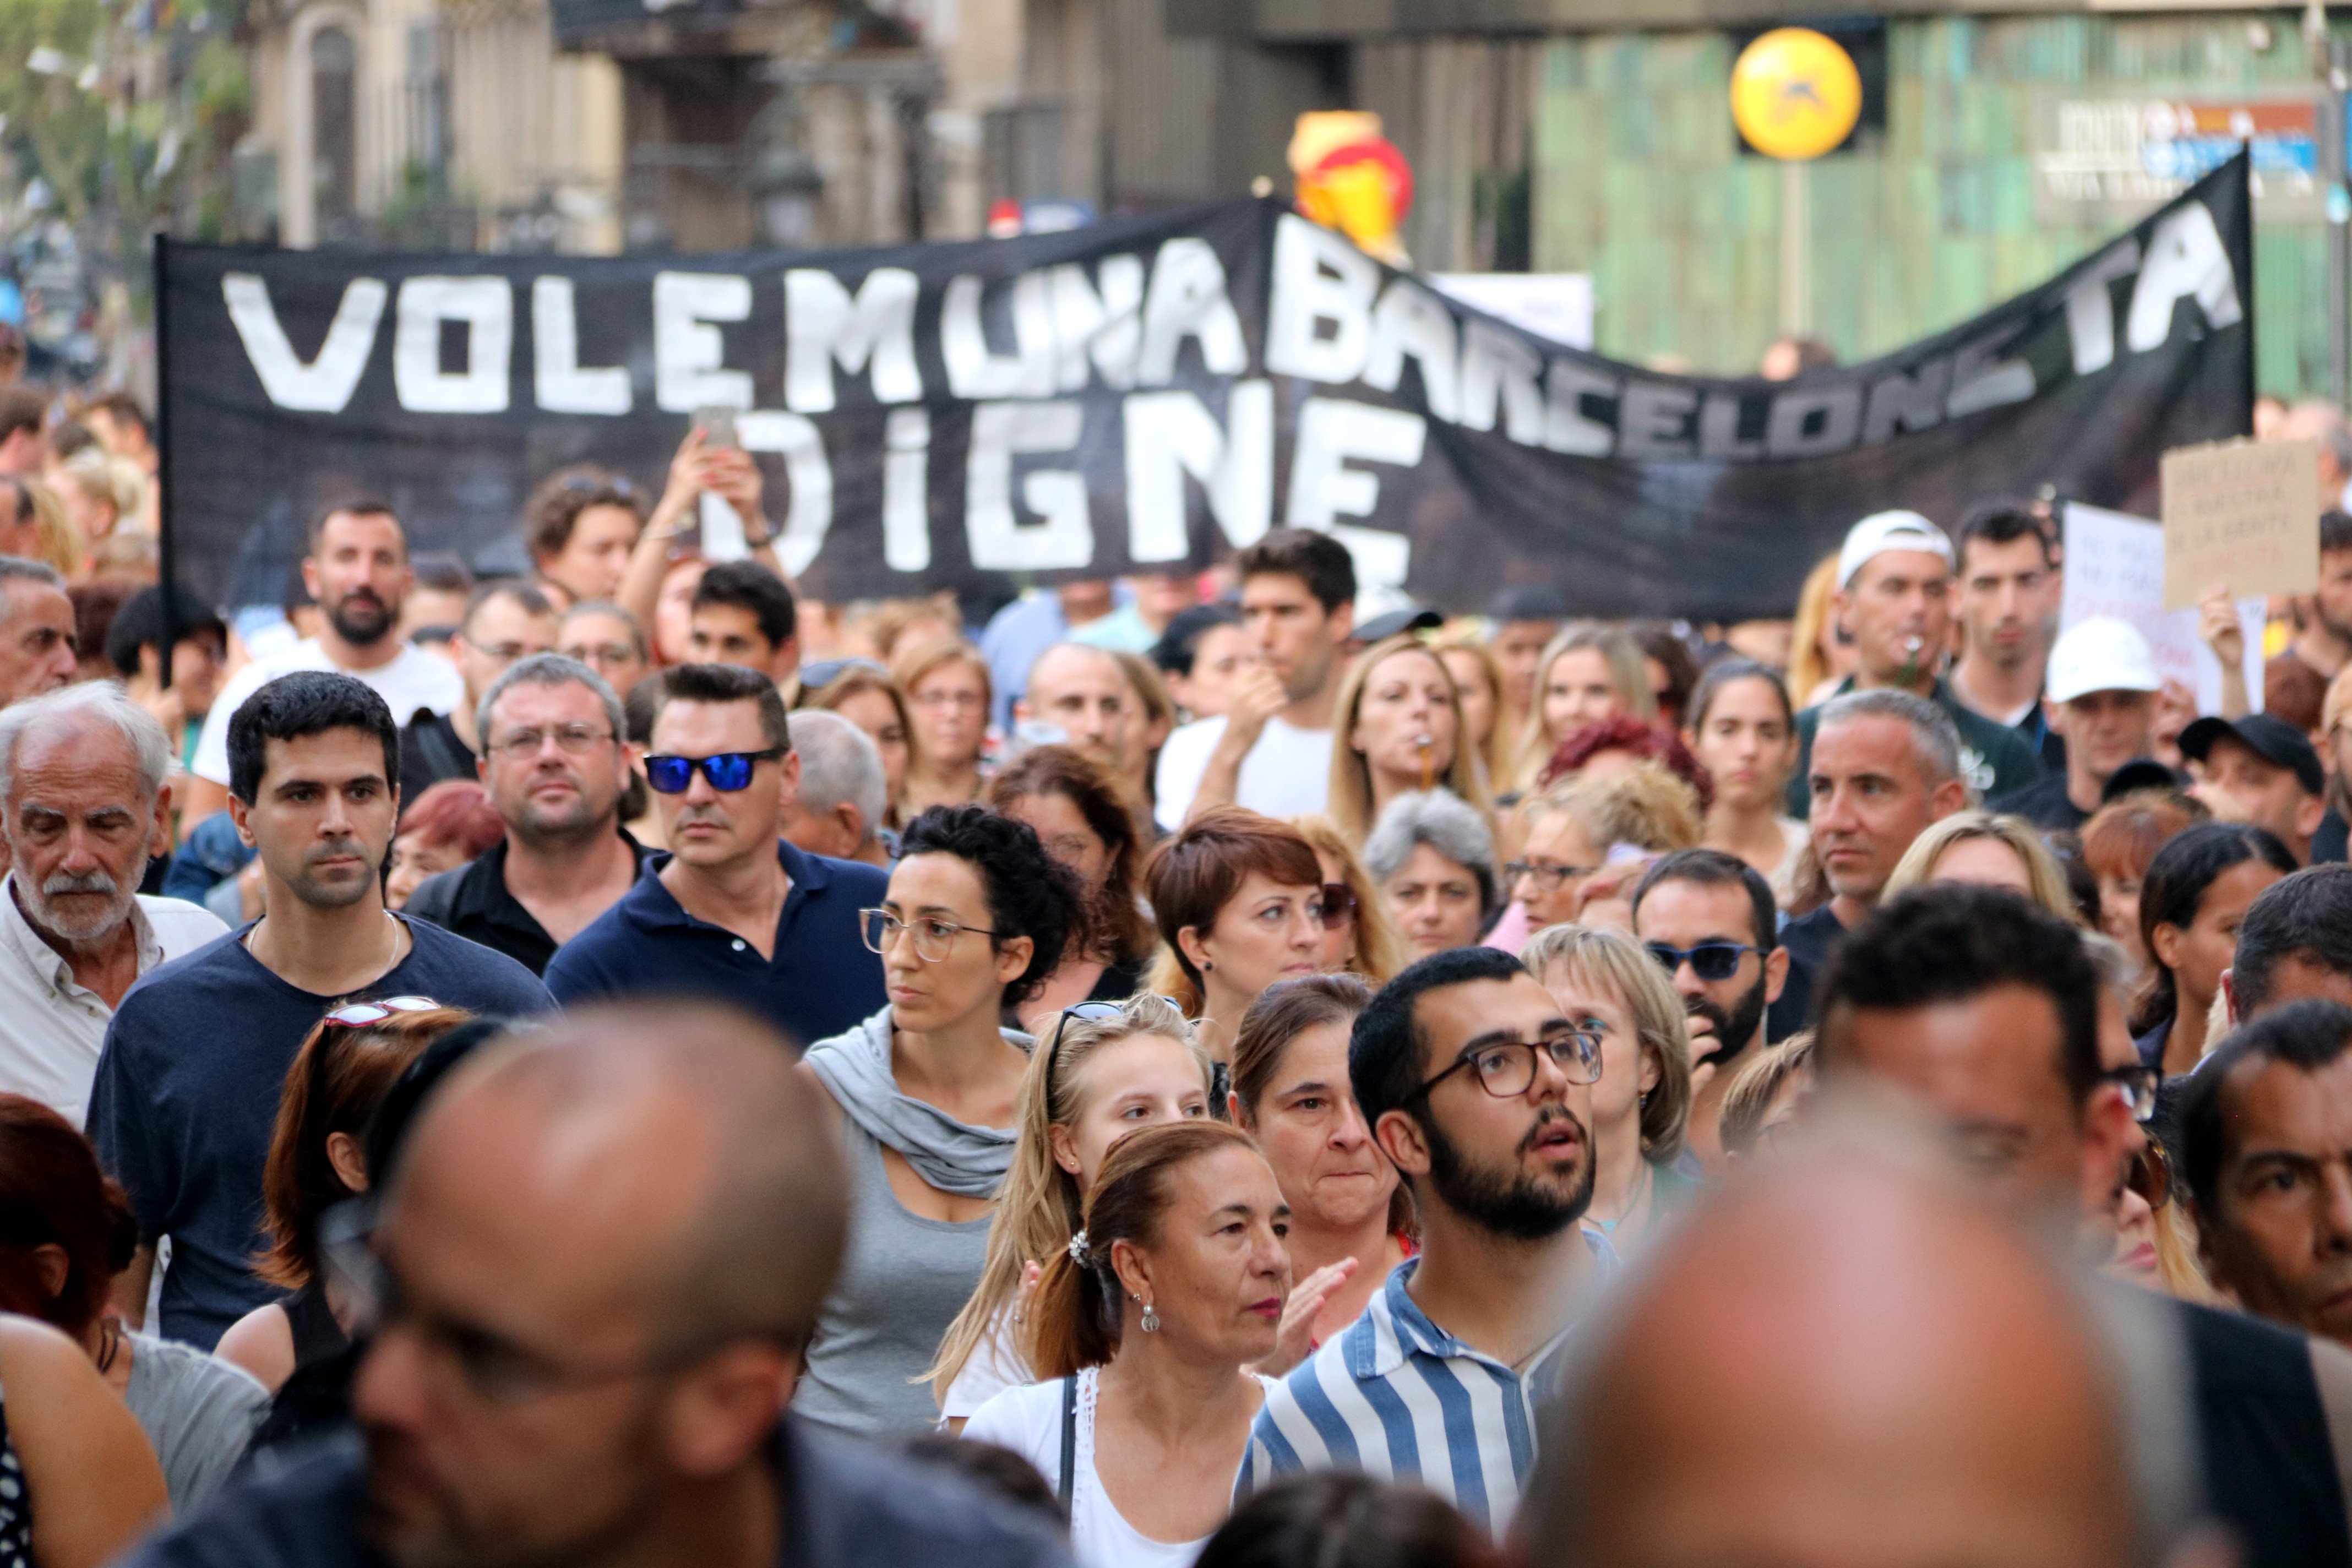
(2271, 738)
(1412, 618)
(2140, 772)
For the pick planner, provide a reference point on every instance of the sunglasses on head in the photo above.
(1087, 1013)
(727, 771)
(351, 1014)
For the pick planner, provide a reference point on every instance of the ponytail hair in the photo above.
(1076, 1319)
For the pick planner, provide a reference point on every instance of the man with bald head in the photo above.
(598, 1260)
(1847, 1360)
(1082, 693)
(1985, 1011)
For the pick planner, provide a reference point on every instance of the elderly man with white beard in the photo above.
(83, 801)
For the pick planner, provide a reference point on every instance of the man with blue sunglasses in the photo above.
(735, 911)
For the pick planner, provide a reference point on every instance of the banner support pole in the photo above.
(166, 561)
(1796, 249)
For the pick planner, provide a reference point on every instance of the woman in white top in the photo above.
(1743, 730)
(1106, 1068)
(1147, 1326)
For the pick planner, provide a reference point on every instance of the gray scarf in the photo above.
(951, 1155)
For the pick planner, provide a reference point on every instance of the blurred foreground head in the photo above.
(600, 1255)
(1849, 1360)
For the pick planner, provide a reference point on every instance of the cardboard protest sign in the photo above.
(2241, 513)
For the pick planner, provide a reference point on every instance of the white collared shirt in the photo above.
(51, 1025)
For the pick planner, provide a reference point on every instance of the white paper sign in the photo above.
(2114, 566)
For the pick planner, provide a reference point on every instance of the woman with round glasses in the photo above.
(339, 1076)
(1104, 1069)
(975, 919)
(1240, 902)
(948, 693)
(1613, 991)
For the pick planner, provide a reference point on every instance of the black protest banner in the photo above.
(1142, 393)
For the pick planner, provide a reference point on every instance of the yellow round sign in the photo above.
(1795, 94)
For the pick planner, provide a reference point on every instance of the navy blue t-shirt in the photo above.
(822, 981)
(187, 1091)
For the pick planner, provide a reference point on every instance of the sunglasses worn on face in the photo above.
(2150, 1175)
(727, 771)
(1710, 961)
(1337, 905)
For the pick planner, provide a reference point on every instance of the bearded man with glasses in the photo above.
(735, 913)
(556, 766)
(1480, 1091)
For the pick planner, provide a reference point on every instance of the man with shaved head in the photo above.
(597, 1262)
(1849, 1360)
(1984, 1010)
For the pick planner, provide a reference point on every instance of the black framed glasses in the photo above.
(2138, 1084)
(727, 771)
(1547, 878)
(934, 937)
(1710, 961)
(1506, 1068)
(825, 671)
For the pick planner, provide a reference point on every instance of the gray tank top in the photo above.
(902, 1283)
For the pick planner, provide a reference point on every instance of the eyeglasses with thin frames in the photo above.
(934, 937)
(571, 740)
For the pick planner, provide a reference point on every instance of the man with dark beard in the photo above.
(556, 764)
(1709, 920)
(358, 572)
(84, 794)
(1480, 1092)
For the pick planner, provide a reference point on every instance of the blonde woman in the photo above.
(1478, 690)
(1590, 672)
(1359, 936)
(37, 529)
(948, 694)
(1991, 849)
(1820, 655)
(1605, 984)
(1397, 728)
(1106, 1069)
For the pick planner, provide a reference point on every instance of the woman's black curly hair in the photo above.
(1030, 893)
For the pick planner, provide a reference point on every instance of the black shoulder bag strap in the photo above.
(1069, 1439)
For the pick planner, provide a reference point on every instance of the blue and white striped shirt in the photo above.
(1398, 1398)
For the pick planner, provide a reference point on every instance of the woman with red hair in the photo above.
(1611, 746)
(442, 829)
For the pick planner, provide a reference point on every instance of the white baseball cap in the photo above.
(2101, 654)
(1882, 531)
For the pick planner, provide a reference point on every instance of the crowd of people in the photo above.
(628, 1064)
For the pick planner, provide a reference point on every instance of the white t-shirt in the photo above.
(1028, 1420)
(1287, 773)
(994, 1366)
(412, 680)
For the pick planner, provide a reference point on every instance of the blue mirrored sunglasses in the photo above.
(727, 771)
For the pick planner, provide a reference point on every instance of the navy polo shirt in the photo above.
(821, 981)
